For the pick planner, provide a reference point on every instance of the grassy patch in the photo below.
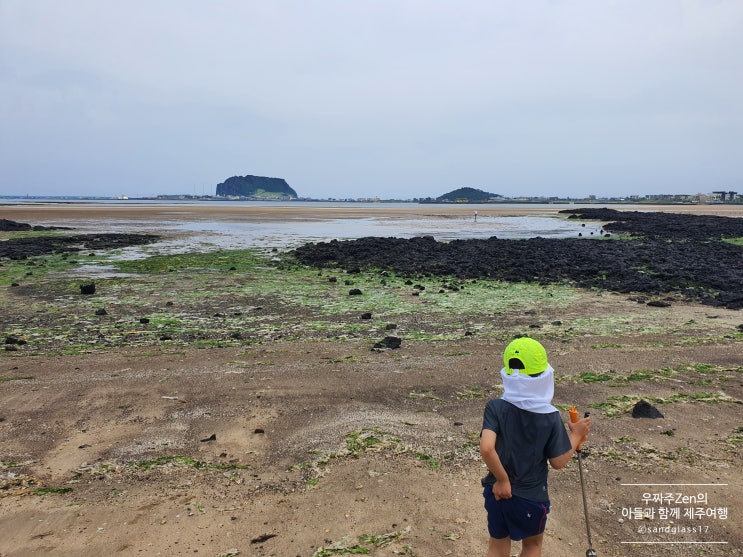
(472, 442)
(430, 461)
(186, 462)
(618, 379)
(32, 269)
(706, 369)
(735, 438)
(649, 375)
(625, 439)
(706, 397)
(238, 297)
(368, 439)
(616, 325)
(243, 297)
(393, 297)
(591, 377)
(212, 261)
(708, 372)
(617, 405)
(365, 544)
(471, 392)
(359, 442)
(51, 490)
(425, 394)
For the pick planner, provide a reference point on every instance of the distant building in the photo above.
(725, 195)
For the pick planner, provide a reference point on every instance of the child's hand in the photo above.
(580, 428)
(502, 489)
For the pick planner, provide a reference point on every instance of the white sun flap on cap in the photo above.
(532, 393)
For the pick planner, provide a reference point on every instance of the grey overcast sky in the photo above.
(390, 98)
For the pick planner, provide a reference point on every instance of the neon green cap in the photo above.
(530, 356)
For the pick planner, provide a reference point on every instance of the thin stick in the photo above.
(585, 504)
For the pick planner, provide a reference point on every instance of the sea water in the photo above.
(289, 234)
(236, 233)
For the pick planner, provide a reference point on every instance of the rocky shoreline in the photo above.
(23, 248)
(660, 254)
(663, 254)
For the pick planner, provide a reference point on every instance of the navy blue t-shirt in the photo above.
(524, 441)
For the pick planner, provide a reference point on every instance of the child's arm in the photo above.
(578, 430)
(502, 486)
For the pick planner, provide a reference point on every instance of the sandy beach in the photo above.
(59, 211)
(232, 407)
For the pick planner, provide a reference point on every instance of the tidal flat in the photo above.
(232, 402)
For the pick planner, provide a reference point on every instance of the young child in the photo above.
(521, 431)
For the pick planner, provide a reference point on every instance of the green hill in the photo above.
(467, 195)
(256, 187)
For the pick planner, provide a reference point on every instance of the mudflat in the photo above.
(237, 404)
(35, 213)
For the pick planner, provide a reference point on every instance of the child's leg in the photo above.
(532, 546)
(499, 547)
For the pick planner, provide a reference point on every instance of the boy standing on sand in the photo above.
(521, 432)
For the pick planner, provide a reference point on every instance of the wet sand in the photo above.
(40, 214)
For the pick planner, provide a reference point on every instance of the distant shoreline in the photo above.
(12, 199)
(37, 213)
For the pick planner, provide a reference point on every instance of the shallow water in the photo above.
(209, 235)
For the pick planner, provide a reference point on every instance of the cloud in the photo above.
(347, 99)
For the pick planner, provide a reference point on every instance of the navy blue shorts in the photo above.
(517, 518)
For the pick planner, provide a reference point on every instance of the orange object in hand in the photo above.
(574, 418)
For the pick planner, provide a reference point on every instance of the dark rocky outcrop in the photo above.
(13, 226)
(22, 248)
(255, 186)
(656, 260)
(14, 340)
(87, 288)
(643, 409)
(388, 343)
(676, 226)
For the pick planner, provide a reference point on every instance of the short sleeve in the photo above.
(559, 441)
(490, 418)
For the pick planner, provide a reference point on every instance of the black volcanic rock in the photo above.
(388, 343)
(255, 186)
(87, 288)
(669, 226)
(22, 248)
(643, 409)
(656, 261)
(13, 226)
